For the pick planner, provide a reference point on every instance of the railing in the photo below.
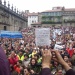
(9, 11)
(49, 22)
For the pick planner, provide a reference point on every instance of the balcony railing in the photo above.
(50, 22)
(58, 22)
(44, 17)
(69, 21)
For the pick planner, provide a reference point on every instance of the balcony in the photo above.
(4, 23)
(69, 21)
(44, 17)
(51, 22)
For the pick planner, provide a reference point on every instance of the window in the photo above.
(29, 16)
(32, 21)
(47, 13)
(51, 13)
(34, 16)
(5, 28)
(59, 13)
(71, 12)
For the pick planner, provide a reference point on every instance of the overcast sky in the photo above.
(41, 5)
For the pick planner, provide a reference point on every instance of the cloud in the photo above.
(41, 5)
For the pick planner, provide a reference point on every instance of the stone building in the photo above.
(32, 18)
(10, 18)
(58, 16)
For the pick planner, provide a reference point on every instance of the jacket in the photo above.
(4, 63)
(46, 71)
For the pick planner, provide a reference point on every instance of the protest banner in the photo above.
(58, 47)
(42, 36)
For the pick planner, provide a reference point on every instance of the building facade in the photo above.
(58, 16)
(32, 18)
(10, 18)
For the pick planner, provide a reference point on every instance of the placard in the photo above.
(42, 36)
(58, 47)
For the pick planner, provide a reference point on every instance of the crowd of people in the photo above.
(25, 58)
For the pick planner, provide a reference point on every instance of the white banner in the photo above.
(58, 47)
(42, 36)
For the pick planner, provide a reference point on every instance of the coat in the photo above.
(4, 63)
(46, 71)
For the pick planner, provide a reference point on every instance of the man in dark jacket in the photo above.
(4, 64)
(46, 60)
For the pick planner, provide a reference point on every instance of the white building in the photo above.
(32, 18)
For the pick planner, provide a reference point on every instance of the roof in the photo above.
(33, 14)
(54, 9)
(59, 9)
(70, 9)
(51, 11)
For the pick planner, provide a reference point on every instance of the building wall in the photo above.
(51, 16)
(39, 17)
(57, 13)
(50, 25)
(70, 17)
(2, 27)
(9, 21)
(60, 16)
(32, 19)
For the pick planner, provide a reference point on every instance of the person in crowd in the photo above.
(28, 71)
(64, 53)
(73, 57)
(25, 50)
(69, 49)
(13, 58)
(17, 66)
(34, 65)
(4, 63)
(59, 71)
(38, 58)
(34, 52)
(69, 62)
(65, 58)
(46, 61)
(26, 60)
(21, 55)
